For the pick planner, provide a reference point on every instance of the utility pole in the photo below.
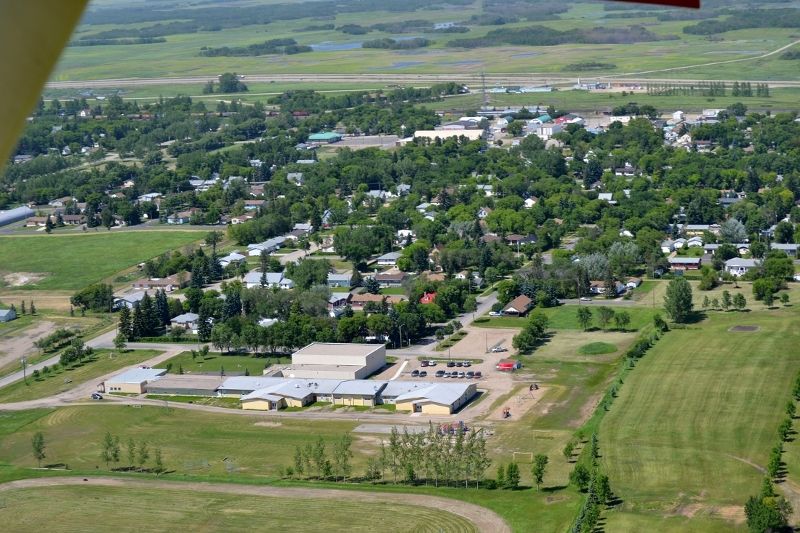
(24, 363)
(483, 91)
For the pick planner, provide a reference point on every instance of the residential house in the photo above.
(790, 248)
(169, 283)
(388, 259)
(484, 212)
(428, 298)
(253, 205)
(530, 202)
(632, 283)
(519, 306)
(241, 219)
(685, 263)
(232, 258)
(61, 202)
(183, 217)
(253, 279)
(738, 267)
(154, 197)
(130, 300)
(187, 321)
(338, 280)
(694, 242)
(7, 315)
(358, 301)
(268, 246)
(304, 227)
(487, 190)
(393, 278)
(296, 178)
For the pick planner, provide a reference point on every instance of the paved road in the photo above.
(483, 518)
(405, 79)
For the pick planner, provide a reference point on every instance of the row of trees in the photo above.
(768, 511)
(605, 315)
(137, 454)
(737, 301)
(312, 460)
(150, 317)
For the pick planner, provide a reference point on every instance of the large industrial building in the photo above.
(321, 360)
(133, 381)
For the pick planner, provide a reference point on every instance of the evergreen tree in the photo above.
(162, 308)
(204, 325)
(137, 323)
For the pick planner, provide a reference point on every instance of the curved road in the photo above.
(484, 519)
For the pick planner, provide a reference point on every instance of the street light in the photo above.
(24, 362)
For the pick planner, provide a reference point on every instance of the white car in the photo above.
(585, 299)
(495, 313)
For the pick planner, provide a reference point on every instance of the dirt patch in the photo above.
(22, 343)
(731, 513)
(520, 403)
(268, 424)
(744, 328)
(19, 279)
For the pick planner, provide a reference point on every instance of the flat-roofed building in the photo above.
(133, 381)
(186, 384)
(320, 360)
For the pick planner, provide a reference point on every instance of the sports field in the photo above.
(127, 509)
(696, 419)
(74, 261)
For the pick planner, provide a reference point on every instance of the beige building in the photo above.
(342, 361)
(133, 381)
(472, 135)
(434, 399)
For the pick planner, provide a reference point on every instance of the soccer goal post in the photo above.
(522, 455)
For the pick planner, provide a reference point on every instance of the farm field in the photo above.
(696, 419)
(99, 364)
(73, 508)
(71, 262)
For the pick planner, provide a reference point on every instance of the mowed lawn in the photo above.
(74, 261)
(566, 317)
(84, 508)
(217, 362)
(100, 363)
(694, 417)
(192, 442)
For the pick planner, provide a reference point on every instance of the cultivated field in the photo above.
(696, 420)
(71, 262)
(74, 508)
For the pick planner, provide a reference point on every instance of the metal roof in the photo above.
(440, 393)
(338, 348)
(138, 375)
(361, 387)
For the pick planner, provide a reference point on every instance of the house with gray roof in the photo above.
(7, 315)
(738, 266)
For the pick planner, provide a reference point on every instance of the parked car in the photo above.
(461, 374)
(439, 373)
(470, 374)
(478, 374)
(454, 375)
(423, 363)
(423, 373)
(459, 364)
(451, 364)
(495, 313)
(446, 375)
(97, 396)
(415, 373)
(431, 363)
(467, 364)
(498, 349)
(585, 299)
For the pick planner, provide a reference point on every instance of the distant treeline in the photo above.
(739, 20)
(273, 46)
(392, 44)
(157, 30)
(104, 42)
(317, 27)
(588, 65)
(517, 10)
(544, 36)
(314, 102)
(223, 16)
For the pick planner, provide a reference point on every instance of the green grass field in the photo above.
(74, 261)
(102, 362)
(566, 317)
(597, 348)
(694, 421)
(77, 508)
(217, 361)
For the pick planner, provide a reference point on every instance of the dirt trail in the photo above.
(484, 519)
